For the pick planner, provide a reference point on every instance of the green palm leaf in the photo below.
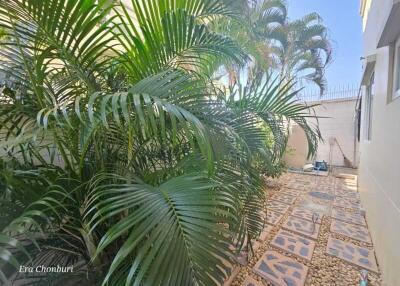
(174, 233)
(119, 155)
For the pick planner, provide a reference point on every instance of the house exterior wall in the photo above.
(337, 121)
(364, 10)
(379, 177)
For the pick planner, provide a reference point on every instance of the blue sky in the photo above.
(344, 23)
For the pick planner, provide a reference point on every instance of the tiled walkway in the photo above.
(316, 235)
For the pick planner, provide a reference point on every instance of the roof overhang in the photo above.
(391, 31)
(368, 69)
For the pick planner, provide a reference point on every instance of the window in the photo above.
(369, 100)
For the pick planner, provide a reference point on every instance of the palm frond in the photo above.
(171, 230)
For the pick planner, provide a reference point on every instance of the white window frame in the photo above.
(396, 70)
(369, 106)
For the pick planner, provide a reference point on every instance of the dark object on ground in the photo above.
(321, 166)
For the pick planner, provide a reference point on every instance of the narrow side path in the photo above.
(316, 234)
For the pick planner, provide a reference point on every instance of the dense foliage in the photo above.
(119, 154)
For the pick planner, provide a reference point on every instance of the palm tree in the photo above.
(120, 157)
(253, 28)
(303, 50)
(299, 49)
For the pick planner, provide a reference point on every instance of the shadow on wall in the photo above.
(297, 150)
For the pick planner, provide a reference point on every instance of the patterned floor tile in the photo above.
(325, 189)
(321, 196)
(315, 200)
(355, 196)
(277, 206)
(307, 214)
(291, 192)
(301, 226)
(308, 203)
(299, 185)
(284, 198)
(347, 203)
(353, 231)
(346, 186)
(281, 270)
(274, 217)
(294, 244)
(349, 217)
(359, 256)
(251, 282)
(303, 180)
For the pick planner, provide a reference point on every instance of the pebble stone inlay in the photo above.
(294, 244)
(347, 203)
(349, 217)
(284, 198)
(281, 270)
(266, 231)
(273, 217)
(302, 226)
(353, 231)
(307, 214)
(251, 282)
(359, 256)
(277, 206)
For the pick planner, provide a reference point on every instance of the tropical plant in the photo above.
(253, 29)
(119, 155)
(298, 49)
(302, 49)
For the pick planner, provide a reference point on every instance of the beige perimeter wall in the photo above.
(379, 172)
(337, 121)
